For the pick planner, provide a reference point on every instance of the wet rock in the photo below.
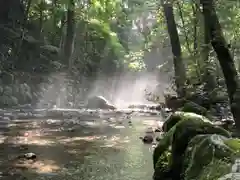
(194, 108)
(6, 118)
(23, 115)
(158, 130)
(173, 102)
(162, 168)
(184, 132)
(201, 99)
(148, 139)
(25, 106)
(28, 156)
(174, 118)
(158, 139)
(149, 130)
(176, 140)
(99, 102)
(138, 106)
(227, 124)
(201, 163)
(153, 113)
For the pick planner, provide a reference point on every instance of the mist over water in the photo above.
(121, 90)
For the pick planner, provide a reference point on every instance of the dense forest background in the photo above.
(67, 49)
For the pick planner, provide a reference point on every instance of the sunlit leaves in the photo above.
(134, 60)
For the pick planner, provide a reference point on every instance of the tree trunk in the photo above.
(69, 40)
(180, 74)
(54, 5)
(224, 56)
(208, 76)
(40, 19)
(26, 14)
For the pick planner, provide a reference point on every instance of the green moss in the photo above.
(194, 108)
(181, 128)
(184, 132)
(206, 150)
(175, 119)
(214, 170)
(234, 144)
(190, 150)
(162, 146)
(179, 116)
(212, 158)
(162, 169)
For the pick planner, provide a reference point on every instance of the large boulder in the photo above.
(99, 102)
(200, 99)
(174, 118)
(178, 134)
(183, 134)
(210, 157)
(190, 106)
(173, 102)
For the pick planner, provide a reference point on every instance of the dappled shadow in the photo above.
(68, 150)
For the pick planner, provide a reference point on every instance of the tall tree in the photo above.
(180, 75)
(69, 40)
(224, 56)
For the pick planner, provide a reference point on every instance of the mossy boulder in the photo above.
(209, 157)
(194, 108)
(162, 146)
(179, 133)
(162, 169)
(169, 127)
(184, 132)
(179, 116)
(173, 102)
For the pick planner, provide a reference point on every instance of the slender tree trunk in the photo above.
(208, 76)
(25, 20)
(224, 56)
(54, 5)
(69, 40)
(180, 74)
(40, 20)
(195, 40)
(61, 44)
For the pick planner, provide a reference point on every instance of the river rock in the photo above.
(148, 139)
(201, 163)
(193, 107)
(99, 102)
(175, 141)
(174, 118)
(184, 132)
(28, 156)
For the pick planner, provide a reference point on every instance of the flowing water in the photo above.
(96, 147)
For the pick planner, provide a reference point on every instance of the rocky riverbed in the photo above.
(76, 144)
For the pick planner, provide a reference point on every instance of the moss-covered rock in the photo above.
(194, 108)
(169, 127)
(173, 102)
(209, 157)
(162, 169)
(179, 116)
(181, 128)
(184, 132)
(162, 146)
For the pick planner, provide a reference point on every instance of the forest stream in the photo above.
(95, 146)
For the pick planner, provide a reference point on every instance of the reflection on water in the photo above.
(101, 150)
